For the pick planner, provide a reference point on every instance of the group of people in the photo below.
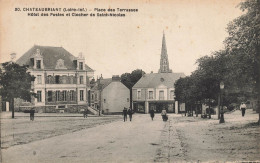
(129, 112)
(152, 113)
(163, 114)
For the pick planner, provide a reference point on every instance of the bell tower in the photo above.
(164, 62)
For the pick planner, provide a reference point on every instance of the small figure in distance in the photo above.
(125, 114)
(164, 115)
(243, 108)
(85, 113)
(130, 113)
(32, 114)
(152, 114)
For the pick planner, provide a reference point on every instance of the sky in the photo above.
(116, 45)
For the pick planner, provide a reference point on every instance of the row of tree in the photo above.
(237, 65)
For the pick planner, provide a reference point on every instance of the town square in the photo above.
(139, 81)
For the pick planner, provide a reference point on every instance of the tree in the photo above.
(237, 65)
(15, 82)
(130, 79)
(244, 39)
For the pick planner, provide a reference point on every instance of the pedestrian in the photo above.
(152, 113)
(85, 113)
(32, 114)
(125, 114)
(98, 110)
(243, 108)
(164, 115)
(130, 113)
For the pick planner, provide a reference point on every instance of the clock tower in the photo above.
(164, 62)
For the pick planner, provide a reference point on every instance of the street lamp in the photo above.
(221, 85)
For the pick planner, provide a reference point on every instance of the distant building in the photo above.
(110, 95)
(156, 90)
(61, 79)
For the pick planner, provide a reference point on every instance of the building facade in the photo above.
(156, 90)
(61, 80)
(110, 95)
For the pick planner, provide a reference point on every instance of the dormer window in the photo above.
(81, 65)
(38, 64)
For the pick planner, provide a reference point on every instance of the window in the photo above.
(57, 95)
(39, 96)
(71, 79)
(164, 61)
(95, 96)
(127, 99)
(161, 95)
(49, 96)
(64, 96)
(81, 65)
(171, 94)
(38, 64)
(104, 100)
(81, 95)
(72, 94)
(81, 80)
(64, 79)
(138, 94)
(39, 79)
(92, 96)
(49, 79)
(150, 94)
(57, 79)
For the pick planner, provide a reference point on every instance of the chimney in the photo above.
(13, 57)
(116, 78)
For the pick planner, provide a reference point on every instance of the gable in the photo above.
(51, 56)
(155, 80)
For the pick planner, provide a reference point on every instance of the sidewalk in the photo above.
(5, 115)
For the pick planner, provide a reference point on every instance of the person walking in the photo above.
(152, 114)
(164, 115)
(85, 113)
(130, 113)
(125, 114)
(32, 114)
(243, 108)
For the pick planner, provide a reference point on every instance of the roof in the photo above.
(153, 80)
(50, 57)
(103, 83)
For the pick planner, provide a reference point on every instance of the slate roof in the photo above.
(50, 56)
(153, 80)
(103, 83)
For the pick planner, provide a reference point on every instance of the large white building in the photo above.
(156, 90)
(61, 79)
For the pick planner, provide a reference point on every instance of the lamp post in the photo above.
(221, 120)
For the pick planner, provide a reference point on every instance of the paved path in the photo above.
(120, 141)
(144, 140)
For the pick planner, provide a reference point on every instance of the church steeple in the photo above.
(164, 62)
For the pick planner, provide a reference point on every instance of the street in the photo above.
(143, 140)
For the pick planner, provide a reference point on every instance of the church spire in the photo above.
(164, 62)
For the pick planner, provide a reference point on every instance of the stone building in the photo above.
(156, 90)
(110, 95)
(61, 80)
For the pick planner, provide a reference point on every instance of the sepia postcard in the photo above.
(128, 81)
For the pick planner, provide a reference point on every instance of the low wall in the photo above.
(52, 109)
